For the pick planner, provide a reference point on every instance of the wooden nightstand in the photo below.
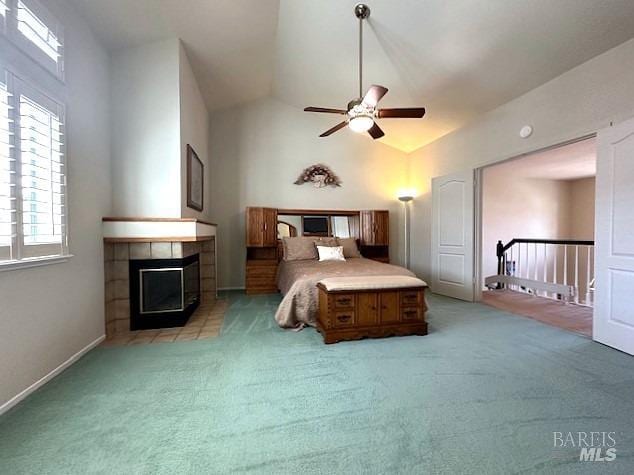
(261, 276)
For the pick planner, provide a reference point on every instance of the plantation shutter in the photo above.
(40, 35)
(7, 175)
(41, 175)
(4, 8)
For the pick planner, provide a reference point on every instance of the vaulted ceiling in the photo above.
(458, 58)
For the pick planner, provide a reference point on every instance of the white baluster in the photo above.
(565, 264)
(535, 292)
(566, 267)
(588, 278)
(577, 274)
(528, 263)
(555, 264)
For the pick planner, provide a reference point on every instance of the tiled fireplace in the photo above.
(125, 252)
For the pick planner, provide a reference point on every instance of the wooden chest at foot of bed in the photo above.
(355, 314)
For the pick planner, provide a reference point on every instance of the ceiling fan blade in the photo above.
(325, 109)
(404, 113)
(376, 132)
(340, 125)
(374, 95)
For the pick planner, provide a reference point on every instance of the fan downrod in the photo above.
(361, 11)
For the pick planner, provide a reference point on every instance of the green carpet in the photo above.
(482, 393)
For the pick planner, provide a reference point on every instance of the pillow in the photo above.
(327, 241)
(299, 248)
(350, 248)
(327, 253)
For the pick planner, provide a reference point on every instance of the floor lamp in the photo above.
(405, 199)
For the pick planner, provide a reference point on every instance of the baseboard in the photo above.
(230, 288)
(42, 381)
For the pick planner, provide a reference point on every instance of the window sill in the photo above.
(33, 262)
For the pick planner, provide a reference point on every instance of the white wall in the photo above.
(194, 130)
(259, 149)
(49, 313)
(582, 209)
(146, 131)
(580, 101)
(515, 207)
(521, 208)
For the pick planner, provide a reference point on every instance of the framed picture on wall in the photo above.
(195, 180)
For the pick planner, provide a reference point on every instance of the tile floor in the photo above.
(570, 317)
(204, 323)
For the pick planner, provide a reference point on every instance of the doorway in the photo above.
(536, 243)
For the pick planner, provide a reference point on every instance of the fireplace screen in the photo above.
(170, 289)
(163, 292)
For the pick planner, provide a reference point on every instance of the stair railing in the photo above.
(552, 268)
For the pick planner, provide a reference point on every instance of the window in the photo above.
(33, 29)
(32, 184)
(33, 218)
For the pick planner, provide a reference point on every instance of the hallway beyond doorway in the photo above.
(575, 318)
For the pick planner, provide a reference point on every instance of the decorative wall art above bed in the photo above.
(320, 176)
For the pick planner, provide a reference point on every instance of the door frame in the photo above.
(478, 212)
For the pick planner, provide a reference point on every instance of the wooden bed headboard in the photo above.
(264, 249)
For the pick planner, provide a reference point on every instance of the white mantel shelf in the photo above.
(116, 229)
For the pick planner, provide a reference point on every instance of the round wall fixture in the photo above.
(526, 131)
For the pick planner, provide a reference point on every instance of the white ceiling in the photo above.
(570, 162)
(458, 58)
(230, 43)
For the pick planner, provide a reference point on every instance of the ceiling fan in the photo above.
(362, 111)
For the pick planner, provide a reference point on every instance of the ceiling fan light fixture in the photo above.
(361, 123)
(362, 111)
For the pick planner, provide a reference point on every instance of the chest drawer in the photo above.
(344, 301)
(409, 314)
(344, 318)
(411, 298)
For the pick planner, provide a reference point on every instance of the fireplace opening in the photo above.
(163, 292)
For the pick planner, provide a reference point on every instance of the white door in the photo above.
(613, 322)
(452, 235)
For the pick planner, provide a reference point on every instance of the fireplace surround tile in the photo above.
(117, 258)
(108, 252)
(191, 248)
(206, 258)
(122, 309)
(161, 250)
(140, 250)
(122, 289)
(108, 270)
(208, 284)
(121, 251)
(122, 326)
(177, 250)
(120, 270)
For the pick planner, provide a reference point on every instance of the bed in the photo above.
(297, 281)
